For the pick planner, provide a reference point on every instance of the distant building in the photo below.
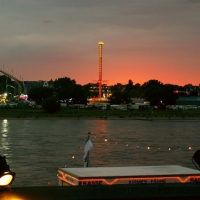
(94, 89)
(30, 84)
(137, 100)
(182, 100)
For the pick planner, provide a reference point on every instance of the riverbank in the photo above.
(80, 114)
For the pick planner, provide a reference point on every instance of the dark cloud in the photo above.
(37, 29)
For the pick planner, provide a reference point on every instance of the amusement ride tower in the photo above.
(100, 68)
(102, 89)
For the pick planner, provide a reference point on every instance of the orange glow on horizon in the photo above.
(117, 67)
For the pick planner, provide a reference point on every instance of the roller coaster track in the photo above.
(17, 81)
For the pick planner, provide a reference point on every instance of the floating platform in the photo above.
(127, 175)
(168, 182)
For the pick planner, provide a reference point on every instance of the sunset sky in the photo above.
(143, 40)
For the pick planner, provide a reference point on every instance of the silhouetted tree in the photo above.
(168, 95)
(39, 94)
(116, 97)
(153, 94)
(152, 91)
(129, 87)
(152, 82)
(79, 94)
(137, 91)
(64, 87)
(51, 104)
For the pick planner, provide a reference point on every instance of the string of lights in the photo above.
(133, 146)
(129, 147)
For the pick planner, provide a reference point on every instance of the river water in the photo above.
(35, 149)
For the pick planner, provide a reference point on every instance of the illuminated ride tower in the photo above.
(102, 98)
(100, 68)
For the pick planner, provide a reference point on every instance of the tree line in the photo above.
(69, 91)
(152, 91)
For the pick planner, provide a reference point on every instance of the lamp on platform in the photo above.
(6, 175)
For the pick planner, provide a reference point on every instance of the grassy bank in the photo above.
(84, 114)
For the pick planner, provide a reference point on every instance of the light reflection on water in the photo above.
(34, 149)
(4, 137)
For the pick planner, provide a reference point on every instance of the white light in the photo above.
(6, 179)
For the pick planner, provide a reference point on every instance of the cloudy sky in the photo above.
(143, 40)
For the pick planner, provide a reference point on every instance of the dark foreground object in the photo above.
(137, 192)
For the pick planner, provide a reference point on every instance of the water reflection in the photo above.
(101, 127)
(4, 137)
(4, 127)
